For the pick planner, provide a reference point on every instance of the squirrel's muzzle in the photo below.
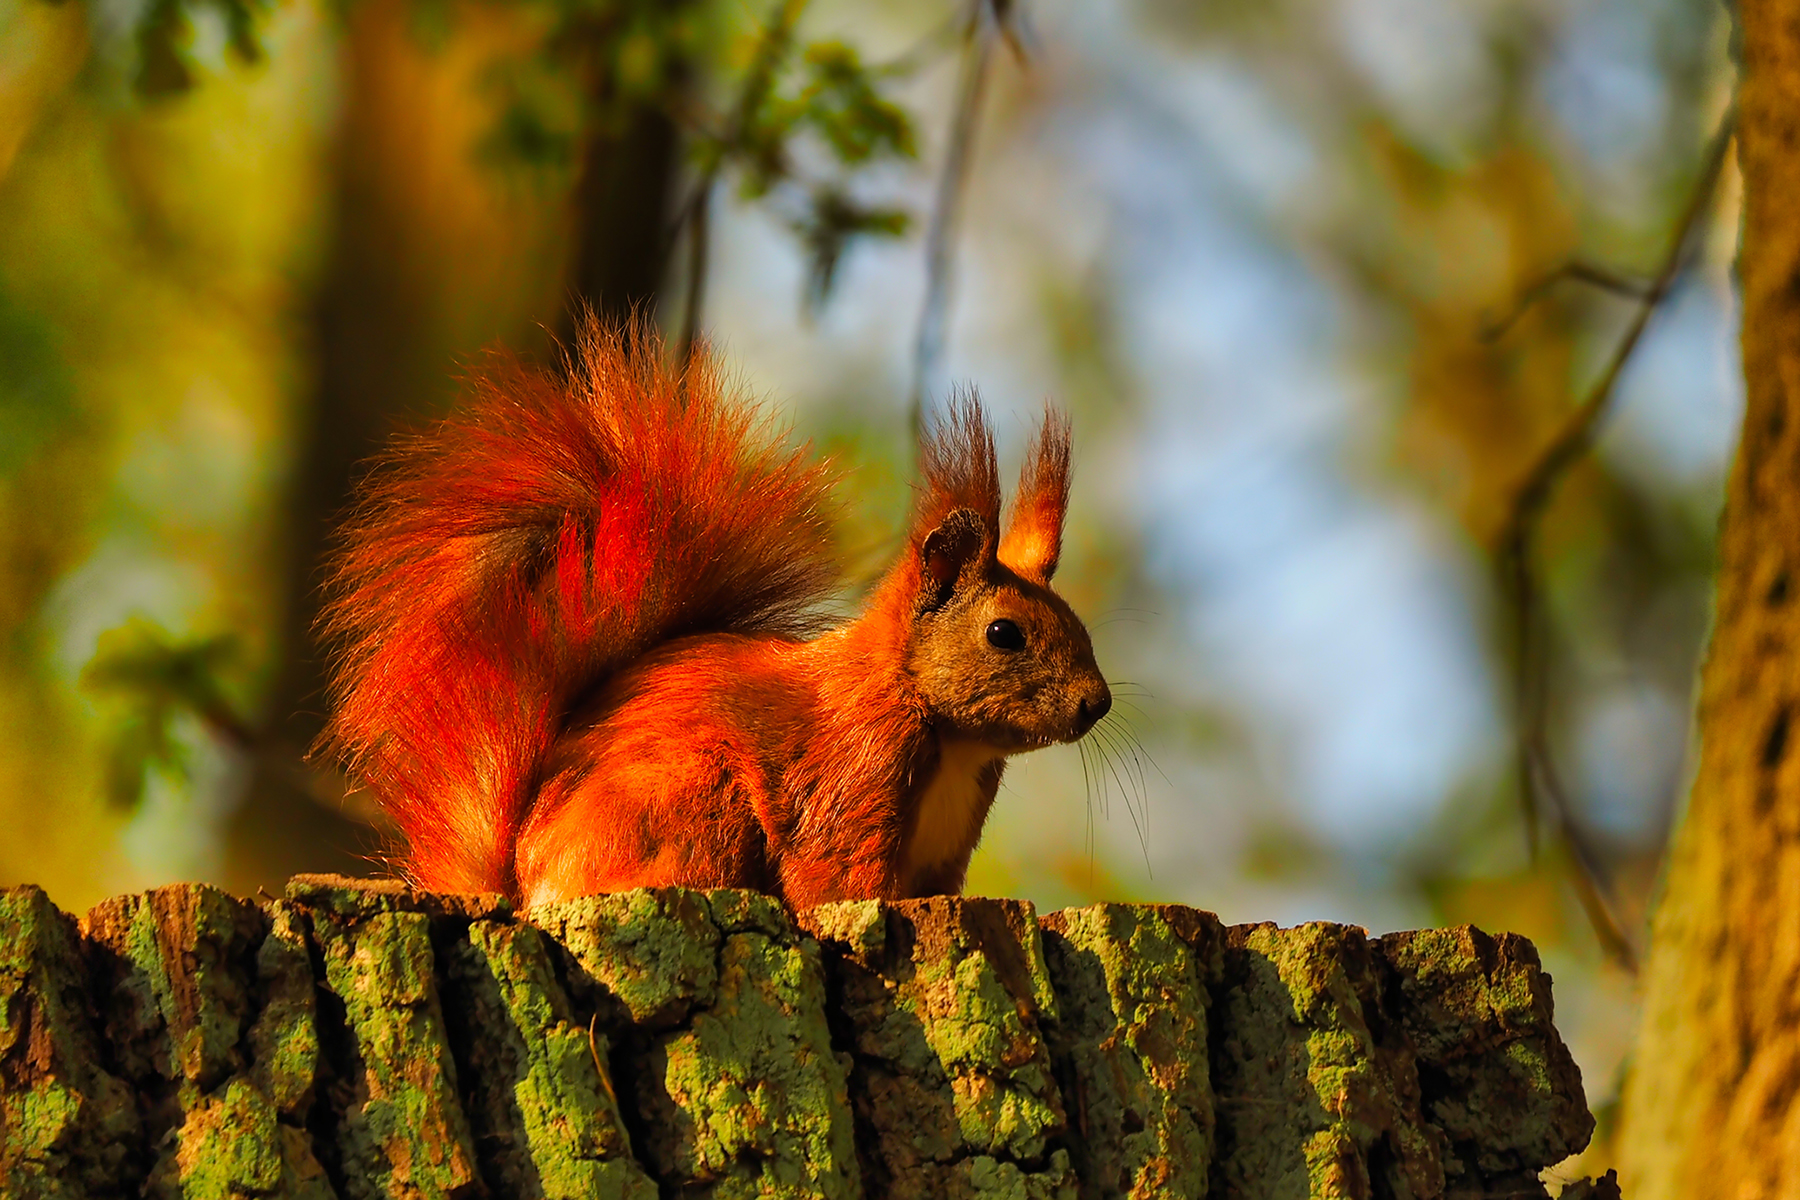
(1091, 709)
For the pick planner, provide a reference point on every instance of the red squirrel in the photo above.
(578, 645)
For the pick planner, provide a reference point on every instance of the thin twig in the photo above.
(694, 213)
(940, 38)
(605, 1076)
(1538, 780)
(1593, 884)
(985, 24)
(1577, 271)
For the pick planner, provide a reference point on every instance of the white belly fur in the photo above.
(949, 806)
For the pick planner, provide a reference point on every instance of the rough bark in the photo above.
(365, 1040)
(1709, 1106)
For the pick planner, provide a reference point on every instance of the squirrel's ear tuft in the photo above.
(956, 456)
(1033, 540)
(947, 552)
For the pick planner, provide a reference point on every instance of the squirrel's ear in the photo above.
(1033, 541)
(947, 552)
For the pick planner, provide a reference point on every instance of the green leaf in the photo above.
(832, 220)
(841, 102)
(141, 658)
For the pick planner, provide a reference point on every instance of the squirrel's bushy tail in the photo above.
(548, 533)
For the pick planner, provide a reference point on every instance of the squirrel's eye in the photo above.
(1004, 635)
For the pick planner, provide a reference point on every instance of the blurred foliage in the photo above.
(165, 39)
(1441, 230)
(826, 230)
(795, 121)
(157, 680)
(178, 177)
(835, 102)
(839, 99)
(594, 60)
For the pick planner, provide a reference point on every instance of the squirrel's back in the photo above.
(550, 531)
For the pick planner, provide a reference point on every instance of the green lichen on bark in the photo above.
(733, 1073)
(365, 1040)
(193, 984)
(1314, 1096)
(401, 1132)
(1131, 1045)
(1499, 1082)
(537, 1083)
(231, 1143)
(68, 1128)
(647, 957)
(175, 969)
(943, 1004)
(284, 1040)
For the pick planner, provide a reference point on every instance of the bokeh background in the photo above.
(1260, 250)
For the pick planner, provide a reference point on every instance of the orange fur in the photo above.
(1033, 542)
(572, 649)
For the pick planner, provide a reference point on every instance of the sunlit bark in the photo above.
(1710, 1109)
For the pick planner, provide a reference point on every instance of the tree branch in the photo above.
(771, 49)
(1577, 271)
(1540, 788)
(988, 20)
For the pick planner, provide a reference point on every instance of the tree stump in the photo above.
(358, 1040)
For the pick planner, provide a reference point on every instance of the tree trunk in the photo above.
(623, 206)
(1709, 1108)
(428, 266)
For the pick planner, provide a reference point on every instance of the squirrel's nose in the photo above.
(1093, 708)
